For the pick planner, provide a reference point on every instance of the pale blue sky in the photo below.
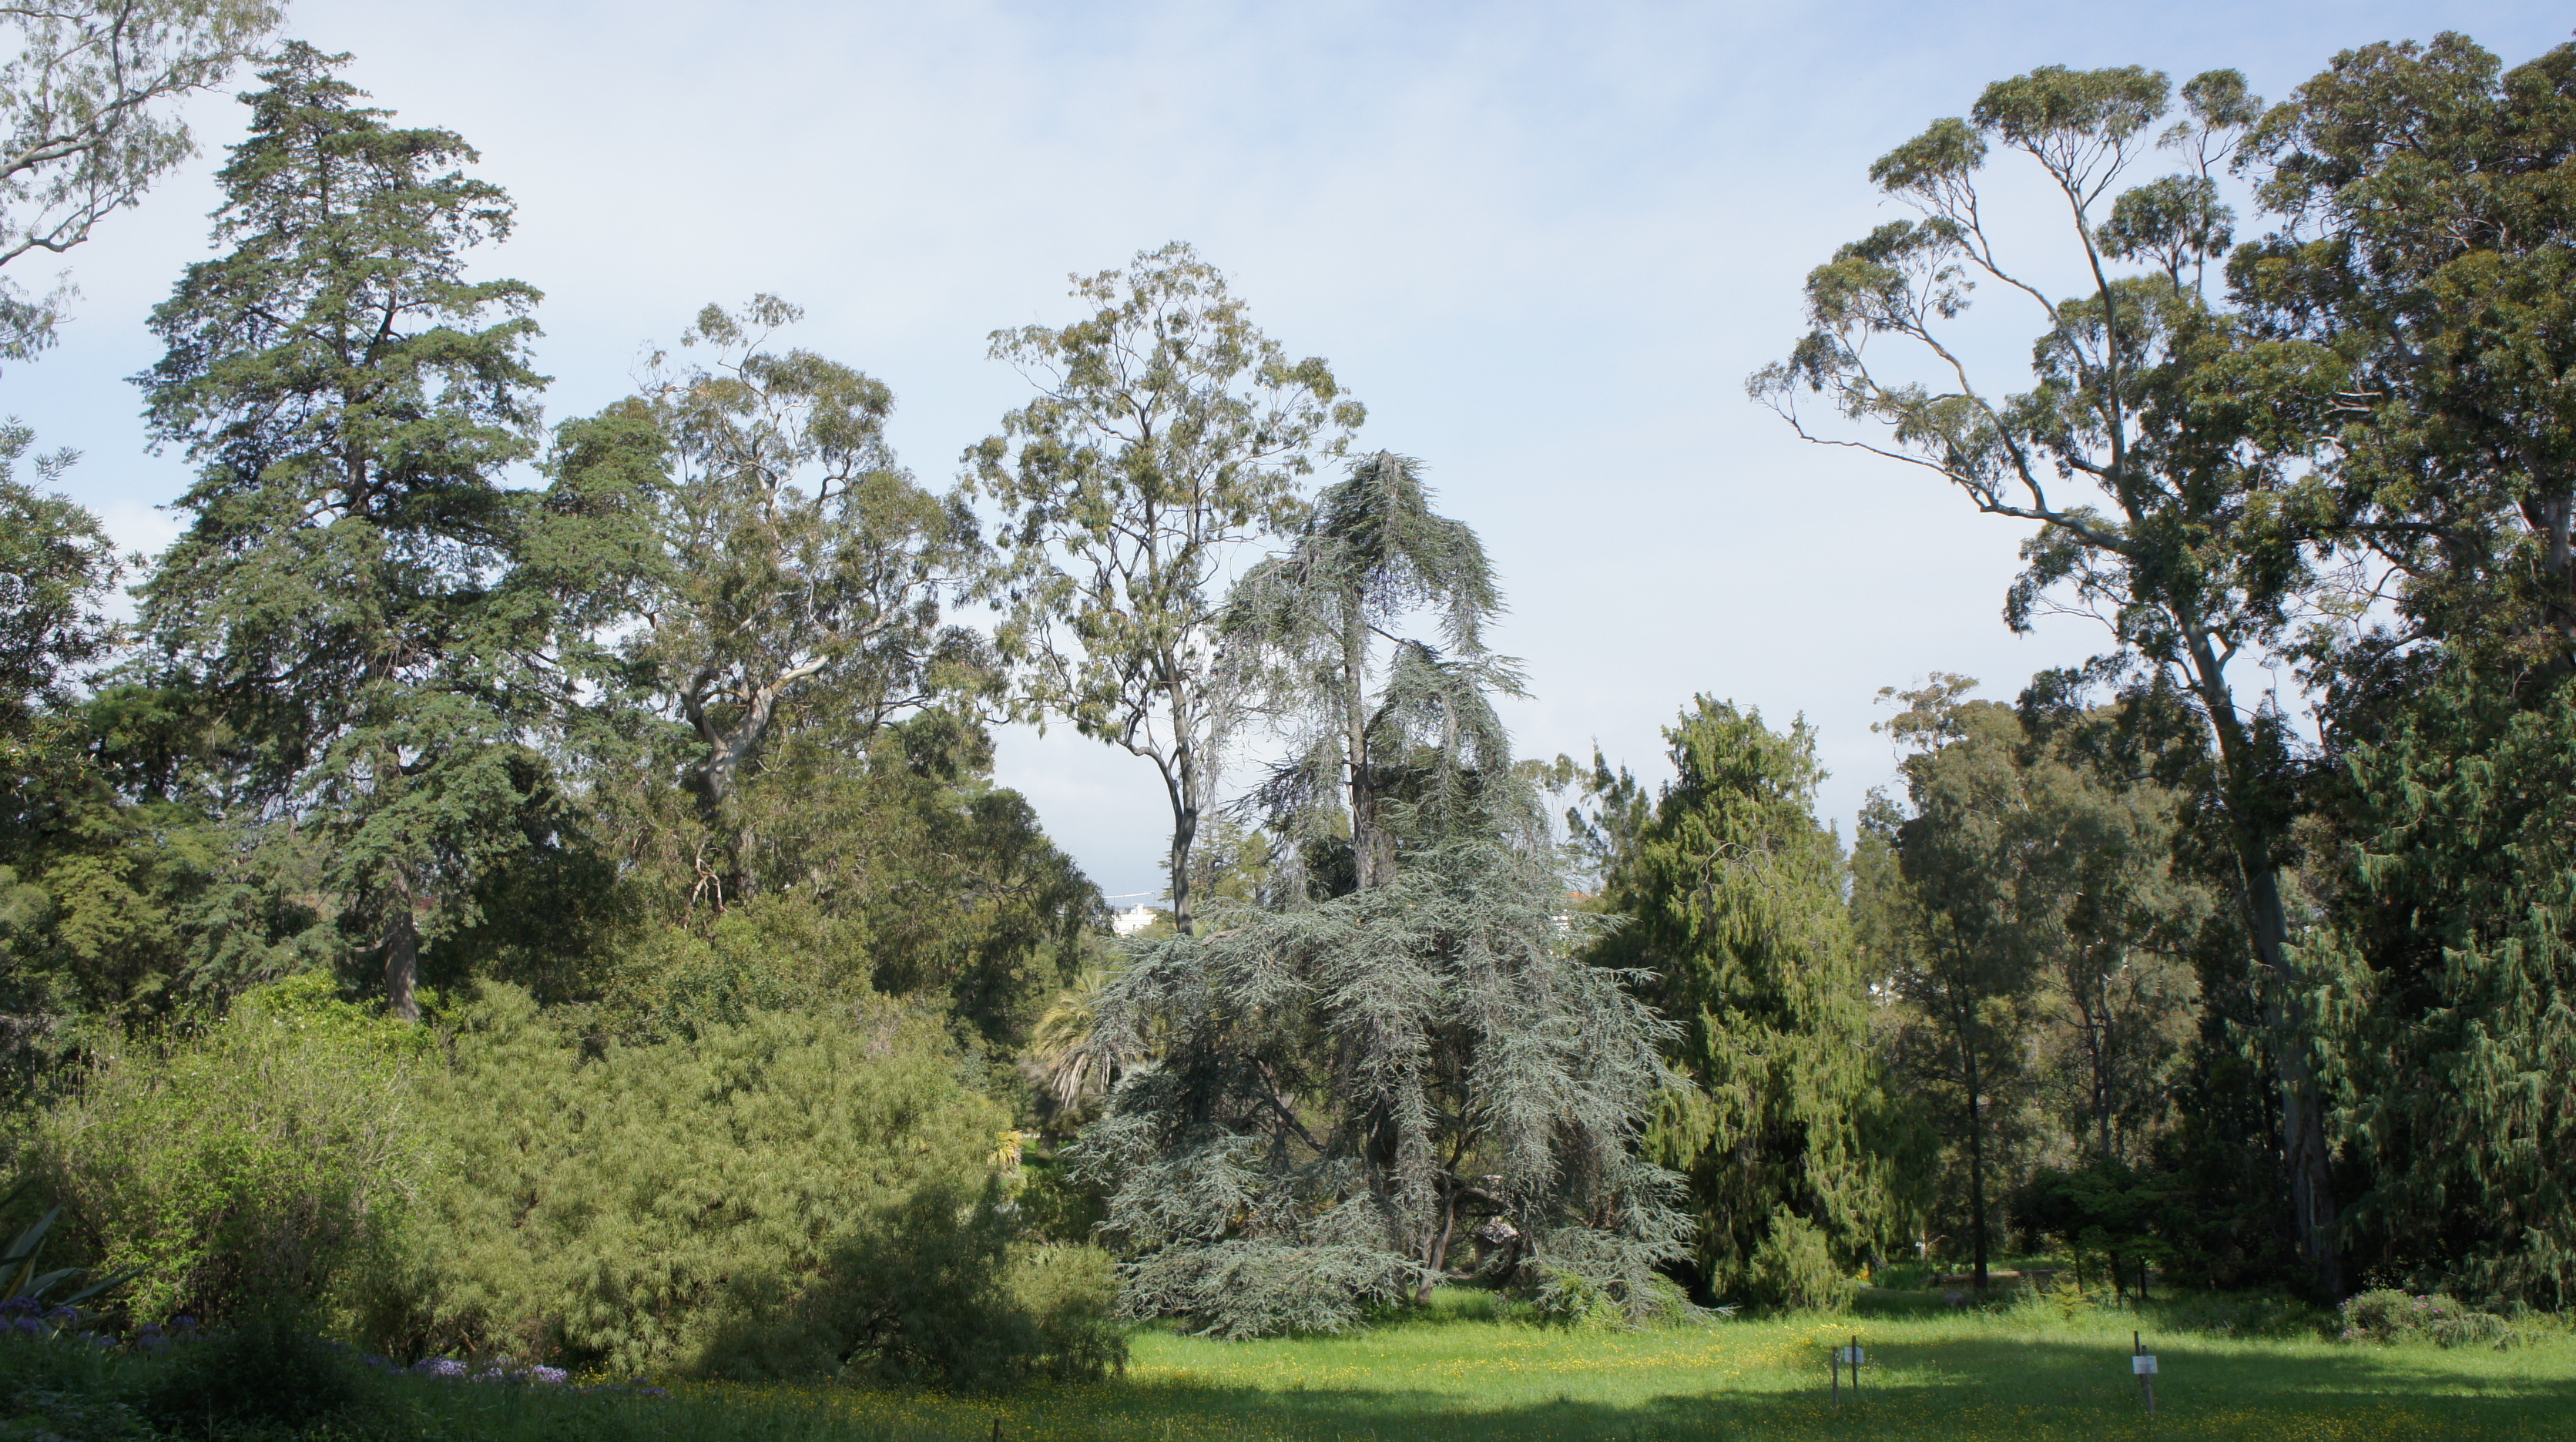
(1544, 242)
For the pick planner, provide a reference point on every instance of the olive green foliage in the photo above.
(895, 866)
(935, 1288)
(792, 1193)
(2163, 447)
(1735, 899)
(737, 553)
(1167, 431)
(2023, 915)
(263, 1162)
(649, 1205)
(87, 123)
(786, 726)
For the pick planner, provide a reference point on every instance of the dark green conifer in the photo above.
(350, 399)
(1734, 896)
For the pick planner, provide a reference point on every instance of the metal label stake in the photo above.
(2143, 1363)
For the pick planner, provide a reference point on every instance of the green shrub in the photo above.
(1793, 1269)
(1071, 1292)
(1570, 1299)
(2386, 1315)
(934, 1290)
(632, 1207)
(260, 1161)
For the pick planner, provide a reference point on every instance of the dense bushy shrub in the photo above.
(1793, 1269)
(2386, 1315)
(793, 1193)
(1571, 1298)
(260, 1161)
(934, 1289)
(630, 1207)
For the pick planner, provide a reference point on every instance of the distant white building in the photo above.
(1133, 920)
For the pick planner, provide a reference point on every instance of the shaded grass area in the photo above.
(1455, 1376)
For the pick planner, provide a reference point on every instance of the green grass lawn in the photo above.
(2022, 1374)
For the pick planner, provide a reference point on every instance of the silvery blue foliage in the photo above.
(1343, 1091)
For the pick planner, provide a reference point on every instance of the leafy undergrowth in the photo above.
(1461, 1374)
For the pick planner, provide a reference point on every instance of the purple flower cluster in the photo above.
(26, 1317)
(454, 1370)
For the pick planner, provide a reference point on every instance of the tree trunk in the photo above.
(1977, 1186)
(1435, 1261)
(720, 770)
(1965, 1018)
(1372, 855)
(402, 955)
(1181, 782)
(2285, 1013)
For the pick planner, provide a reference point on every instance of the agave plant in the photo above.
(24, 1289)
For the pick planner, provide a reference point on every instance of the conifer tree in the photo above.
(1310, 625)
(1734, 899)
(350, 398)
(1342, 1089)
(2452, 959)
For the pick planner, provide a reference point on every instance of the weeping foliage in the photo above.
(1735, 895)
(1347, 1090)
(1310, 633)
(1345, 1087)
(2451, 972)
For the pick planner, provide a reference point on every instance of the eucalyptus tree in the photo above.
(2427, 226)
(2026, 915)
(57, 569)
(2160, 451)
(1953, 929)
(1306, 628)
(1167, 431)
(350, 399)
(740, 546)
(1737, 929)
(87, 106)
(2427, 233)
